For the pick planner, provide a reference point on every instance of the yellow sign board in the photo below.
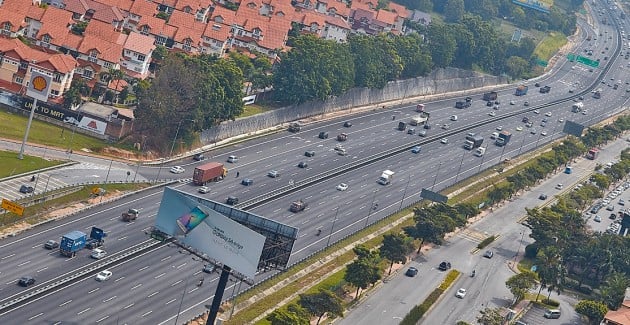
(13, 207)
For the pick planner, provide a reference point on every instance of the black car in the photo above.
(427, 126)
(208, 268)
(323, 135)
(347, 124)
(51, 244)
(489, 103)
(444, 266)
(488, 254)
(302, 164)
(199, 157)
(309, 153)
(26, 281)
(542, 197)
(411, 272)
(26, 189)
(232, 200)
(247, 181)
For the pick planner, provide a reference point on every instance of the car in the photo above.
(532, 131)
(71, 120)
(177, 169)
(103, 275)
(512, 102)
(422, 133)
(309, 153)
(584, 112)
(231, 200)
(453, 117)
(571, 89)
(444, 266)
(536, 111)
(26, 281)
(492, 113)
(445, 126)
(347, 124)
(499, 128)
(342, 187)
(26, 189)
(342, 152)
(461, 293)
(519, 128)
(542, 197)
(247, 181)
(411, 272)
(489, 103)
(496, 107)
(411, 131)
(622, 202)
(203, 190)
(552, 314)
(416, 149)
(98, 253)
(494, 135)
(545, 120)
(273, 174)
(208, 268)
(427, 126)
(232, 159)
(488, 254)
(537, 84)
(610, 208)
(597, 219)
(543, 133)
(543, 124)
(51, 244)
(199, 157)
(559, 186)
(323, 135)
(548, 114)
(444, 141)
(612, 216)
(302, 164)
(526, 103)
(560, 120)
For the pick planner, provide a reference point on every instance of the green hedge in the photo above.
(486, 242)
(418, 311)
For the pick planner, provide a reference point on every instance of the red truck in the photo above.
(210, 172)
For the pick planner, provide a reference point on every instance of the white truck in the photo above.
(577, 107)
(480, 151)
(417, 120)
(386, 177)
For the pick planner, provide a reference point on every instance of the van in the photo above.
(232, 200)
(552, 314)
(323, 135)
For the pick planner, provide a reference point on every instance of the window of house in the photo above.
(107, 65)
(23, 65)
(7, 26)
(141, 57)
(19, 80)
(88, 73)
(54, 92)
(46, 38)
(93, 56)
(187, 9)
(57, 77)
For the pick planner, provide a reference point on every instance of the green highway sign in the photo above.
(587, 61)
(571, 57)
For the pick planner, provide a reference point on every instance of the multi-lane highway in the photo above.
(154, 287)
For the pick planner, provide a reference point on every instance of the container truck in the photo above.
(72, 242)
(592, 154)
(503, 138)
(97, 238)
(521, 90)
(491, 96)
(386, 177)
(210, 172)
(473, 141)
(418, 120)
(577, 107)
(480, 151)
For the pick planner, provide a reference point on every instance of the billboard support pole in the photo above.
(218, 295)
(28, 129)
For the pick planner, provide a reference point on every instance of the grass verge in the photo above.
(11, 165)
(550, 45)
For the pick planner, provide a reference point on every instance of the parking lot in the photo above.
(534, 316)
(607, 214)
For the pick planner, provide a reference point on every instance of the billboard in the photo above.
(204, 229)
(88, 123)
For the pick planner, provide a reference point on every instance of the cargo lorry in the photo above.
(521, 90)
(490, 96)
(97, 238)
(503, 138)
(480, 151)
(72, 242)
(418, 120)
(461, 105)
(210, 172)
(473, 141)
(545, 89)
(402, 126)
(386, 177)
(130, 215)
(577, 107)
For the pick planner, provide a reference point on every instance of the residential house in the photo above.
(137, 52)
(620, 316)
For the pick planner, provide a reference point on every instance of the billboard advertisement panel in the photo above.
(196, 225)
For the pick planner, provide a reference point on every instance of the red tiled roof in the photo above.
(143, 8)
(56, 24)
(193, 4)
(17, 50)
(62, 62)
(16, 19)
(359, 5)
(339, 22)
(184, 33)
(11, 87)
(35, 12)
(103, 31)
(139, 43)
(168, 3)
(77, 6)
(387, 17)
(72, 41)
(181, 19)
(217, 31)
(121, 4)
(17, 6)
(117, 85)
(108, 51)
(339, 9)
(228, 16)
(400, 10)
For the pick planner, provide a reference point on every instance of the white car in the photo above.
(103, 275)
(560, 120)
(444, 140)
(500, 128)
(461, 293)
(203, 190)
(536, 112)
(519, 128)
(453, 117)
(548, 114)
(512, 102)
(98, 253)
(492, 113)
(342, 187)
(177, 169)
(543, 133)
(494, 135)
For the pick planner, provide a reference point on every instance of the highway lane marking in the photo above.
(181, 265)
(172, 300)
(10, 255)
(110, 298)
(93, 290)
(84, 310)
(143, 268)
(65, 303)
(124, 237)
(128, 306)
(153, 294)
(42, 269)
(122, 277)
(176, 283)
(102, 319)
(35, 316)
(147, 313)
(136, 286)
(166, 258)
(159, 275)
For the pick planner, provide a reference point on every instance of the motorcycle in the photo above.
(200, 283)
(319, 232)
(472, 275)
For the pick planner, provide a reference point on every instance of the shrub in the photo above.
(486, 242)
(550, 302)
(461, 322)
(450, 278)
(531, 251)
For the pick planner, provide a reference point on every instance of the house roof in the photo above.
(19, 51)
(108, 51)
(338, 8)
(35, 12)
(139, 43)
(71, 41)
(143, 8)
(336, 21)
(193, 4)
(184, 33)
(400, 10)
(619, 316)
(228, 16)
(181, 19)
(56, 24)
(62, 62)
(16, 19)
(120, 4)
(104, 31)
(77, 6)
(217, 31)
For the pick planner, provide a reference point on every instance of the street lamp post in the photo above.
(483, 157)
(436, 175)
(107, 177)
(370, 209)
(404, 193)
(332, 228)
(176, 134)
(460, 166)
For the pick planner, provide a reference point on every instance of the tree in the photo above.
(365, 270)
(613, 290)
(454, 10)
(490, 316)
(72, 96)
(602, 181)
(395, 248)
(520, 283)
(376, 60)
(516, 66)
(293, 315)
(442, 45)
(322, 303)
(593, 310)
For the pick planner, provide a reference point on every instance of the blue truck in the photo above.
(75, 241)
(521, 90)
